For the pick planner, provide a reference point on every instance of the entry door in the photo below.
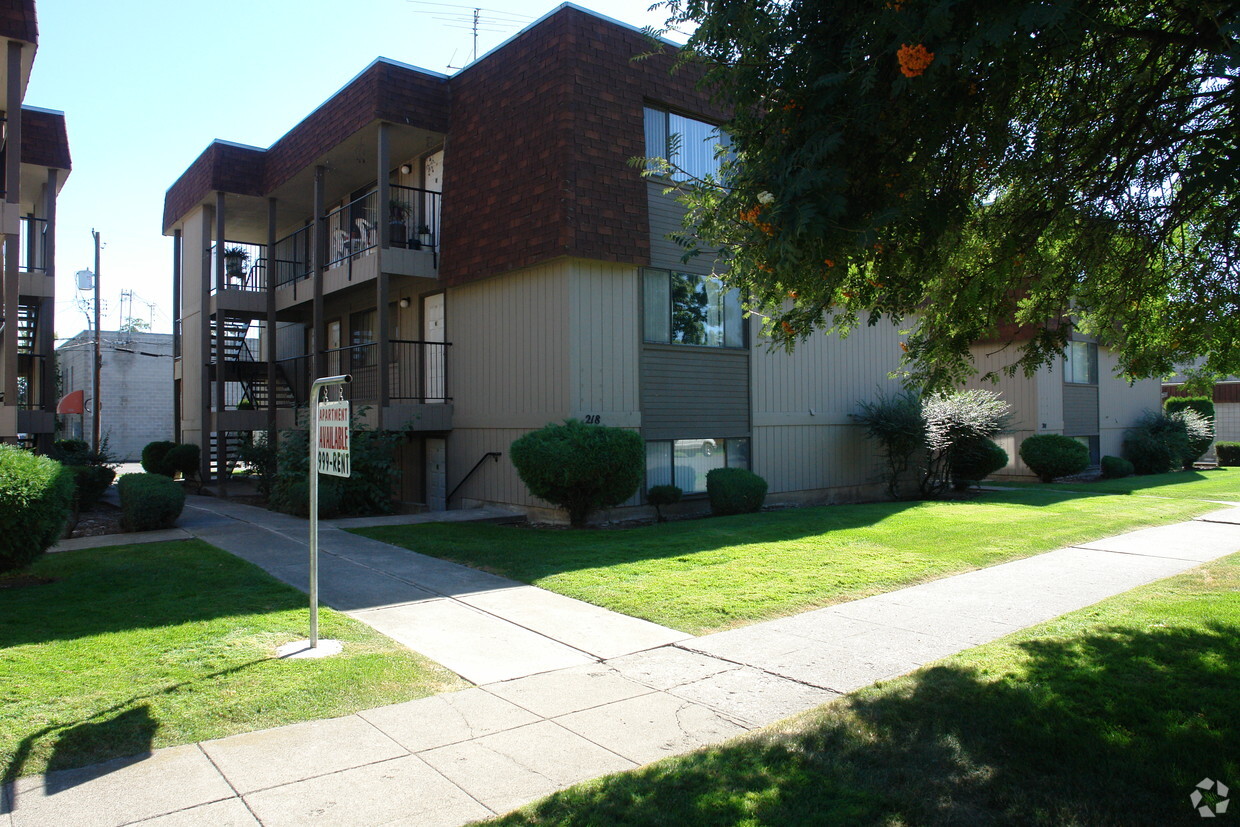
(333, 348)
(433, 335)
(433, 170)
(436, 474)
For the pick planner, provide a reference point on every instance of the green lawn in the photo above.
(1108, 715)
(700, 576)
(1212, 484)
(138, 647)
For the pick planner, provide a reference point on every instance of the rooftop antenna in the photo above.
(474, 18)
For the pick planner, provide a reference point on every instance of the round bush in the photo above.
(580, 467)
(183, 459)
(661, 495)
(36, 495)
(1150, 454)
(1114, 468)
(149, 501)
(154, 458)
(1054, 455)
(734, 491)
(975, 460)
(90, 481)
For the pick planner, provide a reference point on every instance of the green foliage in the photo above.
(149, 501)
(661, 495)
(897, 424)
(1114, 468)
(260, 456)
(183, 458)
(36, 494)
(366, 491)
(734, 491)
(580, 467)
(1054, 455)
(1203, 406)
(78, 452)
(1161, 442)
(154, 458)
(957, 422)
(974, 460)
(1228, 453)
(90, 481)
(976, 186)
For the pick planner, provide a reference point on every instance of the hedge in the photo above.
(154, 458)
(1228, 453)
(36, 495)
(734, 491)
(1114, 468)
(149, 501)
(1054, 455)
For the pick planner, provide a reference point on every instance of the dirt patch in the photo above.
(104, 518)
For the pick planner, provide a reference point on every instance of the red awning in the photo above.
(72, 403)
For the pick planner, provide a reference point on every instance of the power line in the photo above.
(473, 18)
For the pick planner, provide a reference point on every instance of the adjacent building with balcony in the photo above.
(34, 162)
(480, 254)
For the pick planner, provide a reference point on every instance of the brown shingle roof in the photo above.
(45, 142)
(18, 21)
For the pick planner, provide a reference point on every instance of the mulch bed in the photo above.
(104, 518)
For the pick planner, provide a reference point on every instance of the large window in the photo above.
(685, 462)
(1080, 363)
(685, 309)
(688, 144)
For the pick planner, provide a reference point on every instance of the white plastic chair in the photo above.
(365, 232)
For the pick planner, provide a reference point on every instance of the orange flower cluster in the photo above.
(895, 4)
(753, 216)
(914, 60)
(787, 328)
(828, 262)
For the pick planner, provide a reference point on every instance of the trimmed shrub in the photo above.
(90, 481)
(36, 495)
(1161, 442)
(149, 501)
(1054, 455)
(1228, 453)
(183, 458)
(1149, 453)
(580, 467)
(661, 495)
(974, 460)
(154, 458)
(1114, 468)
(71, 452)
(734, 491)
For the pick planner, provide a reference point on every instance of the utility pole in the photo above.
(98, 355)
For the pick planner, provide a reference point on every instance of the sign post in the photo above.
(329, 454)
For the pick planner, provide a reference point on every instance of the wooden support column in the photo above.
(382, 288)
(12, 195)
(221, 452)
(204, 342)
(270, 355)
(176, 334)
(318, 249)
(47, 310)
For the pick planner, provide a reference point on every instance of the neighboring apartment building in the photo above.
(1226, 396)
(135, 377)
(478, 252)
(34, 163)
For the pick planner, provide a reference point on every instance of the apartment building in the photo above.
(34, 162)
(479, 253)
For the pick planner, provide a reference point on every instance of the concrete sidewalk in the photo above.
(458, 757)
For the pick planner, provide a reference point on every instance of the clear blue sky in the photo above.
(146, 86)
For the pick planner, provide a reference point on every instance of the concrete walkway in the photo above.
(625, 697)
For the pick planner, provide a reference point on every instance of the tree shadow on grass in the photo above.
(1113, 727)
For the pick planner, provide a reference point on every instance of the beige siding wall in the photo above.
(195, 237)
(803, 437)
(534, 347)
(1022, 393)
(1120, 404)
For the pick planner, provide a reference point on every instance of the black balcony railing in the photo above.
(33, 257)
(419, 371)
(413, 216)
(292, 258)
(245, 266)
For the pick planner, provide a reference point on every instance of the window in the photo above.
(685, 462)
(362, 332)
(685, 309)
(695, 143)
(1095, 452)
(1080, 363)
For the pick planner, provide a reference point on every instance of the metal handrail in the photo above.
(489, 455)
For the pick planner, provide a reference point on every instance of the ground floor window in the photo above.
(1095, 450)
(685, 462)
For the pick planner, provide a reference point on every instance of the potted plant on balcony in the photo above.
(235, 259)
(424, 236)
(398, 212)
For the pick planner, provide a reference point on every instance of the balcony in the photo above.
(417, 386)
(353, 235)
(33, 241)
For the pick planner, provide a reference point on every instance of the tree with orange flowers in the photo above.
(979, 170)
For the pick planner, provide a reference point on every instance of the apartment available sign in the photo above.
(332, 438)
